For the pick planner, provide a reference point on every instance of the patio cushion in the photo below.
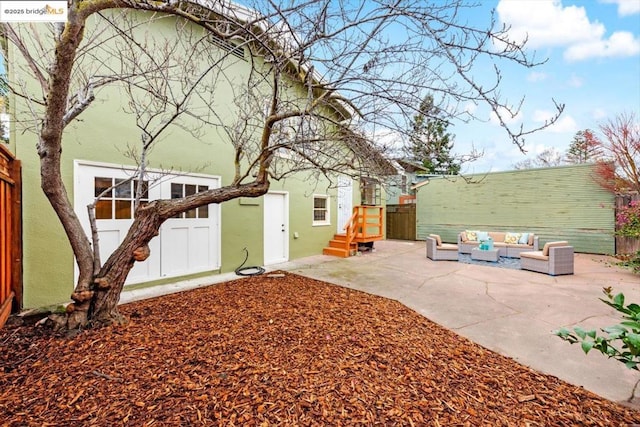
(448, 247)
(497, 236)
(545, 249)
(534, 255)
(438, 239)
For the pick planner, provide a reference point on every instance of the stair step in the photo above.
(342, 244)
(343, 253)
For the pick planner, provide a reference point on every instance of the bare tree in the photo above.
(549, 157)
(321, 76)
(619, 170)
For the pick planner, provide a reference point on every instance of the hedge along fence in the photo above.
(626, 245)
(559, 203)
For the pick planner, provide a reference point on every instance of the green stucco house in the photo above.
(295, 219)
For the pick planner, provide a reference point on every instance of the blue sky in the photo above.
(593, 67)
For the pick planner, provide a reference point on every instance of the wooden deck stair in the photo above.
(364, 226)
(338, 247)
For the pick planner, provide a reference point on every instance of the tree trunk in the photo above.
(98, 306)
(113, 274)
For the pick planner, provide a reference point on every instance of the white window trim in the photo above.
(327, 221)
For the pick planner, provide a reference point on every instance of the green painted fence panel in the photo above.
(560, 203)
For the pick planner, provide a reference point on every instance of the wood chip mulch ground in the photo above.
(278, 351)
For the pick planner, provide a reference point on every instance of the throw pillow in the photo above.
(524, 239)
(472, 236)
(463, 236)
(483, 235)
(511, 238)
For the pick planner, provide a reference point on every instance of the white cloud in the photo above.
(564, 124)
(542, 115)
(470, 107)
(599, 114)
(507, 117)
(575, 81)
(620, 44)
(625, 7)
(388, 139)
(536, 76)
(547, 23)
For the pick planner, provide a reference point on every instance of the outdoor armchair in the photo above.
(438, 251)
(555, 258)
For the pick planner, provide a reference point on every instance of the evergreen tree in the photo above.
(430, 143)
(584, 148)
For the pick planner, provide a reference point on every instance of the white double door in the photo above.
(185, 245)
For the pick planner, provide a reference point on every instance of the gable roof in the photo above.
(411, 166)
(379, 165)
(284, 41)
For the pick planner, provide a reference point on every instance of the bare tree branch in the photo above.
(306, 85)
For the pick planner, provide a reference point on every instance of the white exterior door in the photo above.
(276, 228)
(345, 202)
(190, 243)
(185, 245)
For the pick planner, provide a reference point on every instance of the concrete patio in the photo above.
(512, 312)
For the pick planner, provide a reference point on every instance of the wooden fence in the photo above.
(626, 245)
(401, 222)
(10, 235)
(574, 207)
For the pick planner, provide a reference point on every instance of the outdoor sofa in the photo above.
(509, 244)
(555, 258)
(438, 251)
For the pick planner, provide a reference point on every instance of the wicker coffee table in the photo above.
(485, 255)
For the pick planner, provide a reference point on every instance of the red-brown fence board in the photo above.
(10, 235)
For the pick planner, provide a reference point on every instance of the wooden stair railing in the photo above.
(363, 226)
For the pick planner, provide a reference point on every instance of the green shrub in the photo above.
(631, 262)
(621, 341)
(628, 220)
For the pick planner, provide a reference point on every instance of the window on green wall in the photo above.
(179, 190)
(321, 210)
(117, 197)
(370, 192)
